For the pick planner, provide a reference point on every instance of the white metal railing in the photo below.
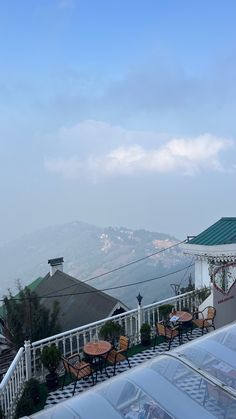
(27, 362)
(12, 384)
(72, 341)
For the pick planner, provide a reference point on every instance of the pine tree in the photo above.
(27, 318)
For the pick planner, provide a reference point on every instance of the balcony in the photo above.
(27, 362)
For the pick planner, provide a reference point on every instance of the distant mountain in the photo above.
(90, 251)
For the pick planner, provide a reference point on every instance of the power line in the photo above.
(105, 289)
(122, 266)
(185, 274)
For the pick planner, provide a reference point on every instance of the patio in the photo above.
(59, 395)
(27, 362)
(188, 373)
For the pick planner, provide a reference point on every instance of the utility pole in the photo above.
(175, 288)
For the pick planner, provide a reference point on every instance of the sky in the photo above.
(117, 113)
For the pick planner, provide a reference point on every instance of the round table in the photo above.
(99, 348)
(184, 316)
(96, 351)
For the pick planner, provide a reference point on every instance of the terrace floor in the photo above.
(59, 395)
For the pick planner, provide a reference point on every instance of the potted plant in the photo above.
(145, 333)
(111, 331)
(32, 389)
(50, 358)
(165, 310)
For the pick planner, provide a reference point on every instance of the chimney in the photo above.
(55, 265)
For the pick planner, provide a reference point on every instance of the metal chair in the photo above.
(77, 369)
(216, 396)
(116, 356)
(205, 318)
(168, 332)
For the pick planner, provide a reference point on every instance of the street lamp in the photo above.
(139, 298)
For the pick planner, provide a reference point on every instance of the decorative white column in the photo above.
(28, 369)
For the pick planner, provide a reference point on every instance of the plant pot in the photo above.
(52, 380)
(145, 341)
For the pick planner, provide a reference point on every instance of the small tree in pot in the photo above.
(145, 333)
(50, 358)
(111, 331)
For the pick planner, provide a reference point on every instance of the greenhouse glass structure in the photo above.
(196, 380)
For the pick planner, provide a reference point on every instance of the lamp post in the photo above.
(139, 298)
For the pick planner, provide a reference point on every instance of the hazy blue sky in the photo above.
(117, 113)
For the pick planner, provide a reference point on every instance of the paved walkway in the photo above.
(59, 395)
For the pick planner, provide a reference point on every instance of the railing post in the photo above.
(27, 359)
(140, 320)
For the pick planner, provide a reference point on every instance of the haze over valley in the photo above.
(89, 251)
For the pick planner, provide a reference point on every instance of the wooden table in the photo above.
(96, 351)
(183, 317)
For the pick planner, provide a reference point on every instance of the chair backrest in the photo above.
(66, 364)
(70, 368)
(166, 330)
(123, 343)
(211, 312)
(161, 329)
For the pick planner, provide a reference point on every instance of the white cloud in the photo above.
(112, 150)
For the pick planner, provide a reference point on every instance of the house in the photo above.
(216, 244)
(214, 251)
(80, 303)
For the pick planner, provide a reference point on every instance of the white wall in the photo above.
(225, 305)
(202, 277)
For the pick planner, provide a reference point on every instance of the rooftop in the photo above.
(139, 358)
(198, 377)
(222, 232)
(141, 393)
(80, 303)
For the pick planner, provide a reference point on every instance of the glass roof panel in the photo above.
(192, 385)
(132, 402)
(214, 354)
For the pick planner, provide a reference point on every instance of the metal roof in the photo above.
(222, 232)
(80, 303)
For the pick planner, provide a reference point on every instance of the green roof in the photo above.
(35, 283)
(222, 232)
(32, 286)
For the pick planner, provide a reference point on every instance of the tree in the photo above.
(26, 317)
(190, 286)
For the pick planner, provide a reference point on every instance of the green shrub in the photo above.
(32, 390)
(32, 400)
(203, 293)
(50, 358)
(165, 310)
(110, 331)
(145, 332)
(25, 406)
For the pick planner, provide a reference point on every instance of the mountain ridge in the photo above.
(88, 251)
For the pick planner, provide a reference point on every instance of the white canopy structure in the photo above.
(196, 380)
